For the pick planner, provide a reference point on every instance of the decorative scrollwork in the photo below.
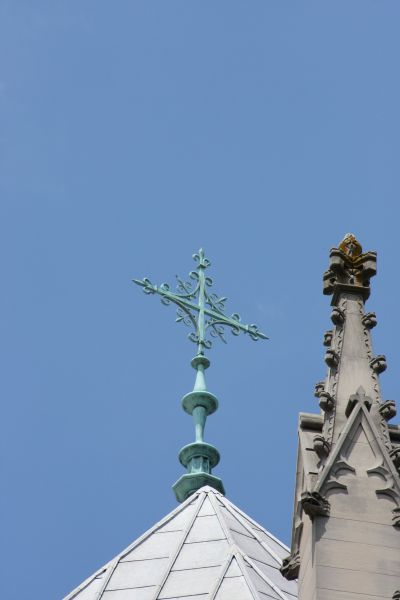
(198, 308)
(187, 289)
(148, 287)
(216, 303)
(185, 316)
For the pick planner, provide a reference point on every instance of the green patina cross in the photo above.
(205, 315)
(203, 311)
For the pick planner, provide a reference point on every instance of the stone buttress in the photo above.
(346, 525)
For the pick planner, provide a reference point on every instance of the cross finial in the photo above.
(204, 312)
(199, 308)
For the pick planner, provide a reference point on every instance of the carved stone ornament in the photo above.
(315, 505)
(388, 410)
(349, 269)
(396, 517)
(378, 364)
(369, 320)
(321, 446)
(337, 316)
(331, 358)
(358, 397)
(339, 467)
(396, 595)
(326, 401)
(395, 456)
(291, 566)
(319, 387)
(328, 337)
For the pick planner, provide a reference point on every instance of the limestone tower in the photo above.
(346, 524)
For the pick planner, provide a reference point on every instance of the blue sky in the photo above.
(132, 133)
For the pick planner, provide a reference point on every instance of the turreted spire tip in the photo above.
(350, 269)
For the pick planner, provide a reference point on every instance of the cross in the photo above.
(198, 308)
(203, 310)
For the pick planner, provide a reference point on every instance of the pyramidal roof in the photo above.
(206, 549)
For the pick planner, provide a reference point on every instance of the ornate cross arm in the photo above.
(198, 308)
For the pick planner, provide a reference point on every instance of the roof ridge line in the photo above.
(107, 578)
(234, 553)
(221, 576)
(242, 521)
(131, 547)
(222, 523)
(200, 501)
(230, 504)
(88, 581)
(159, 524)
(264, 577)
(240, 557)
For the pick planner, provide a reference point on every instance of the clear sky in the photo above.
(132, 133)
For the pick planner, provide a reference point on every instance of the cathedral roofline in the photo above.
(206, 548)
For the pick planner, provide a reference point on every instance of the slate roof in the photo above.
(206, 549)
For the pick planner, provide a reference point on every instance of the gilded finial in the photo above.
(351, 246)
(350, 269)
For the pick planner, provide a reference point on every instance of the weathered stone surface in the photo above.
(349, 549)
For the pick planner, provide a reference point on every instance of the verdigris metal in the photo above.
(202, 310)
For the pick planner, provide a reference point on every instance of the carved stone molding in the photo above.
(334, 377)
(315, 505)
(321, 446)
(378, 364)
(367, 337)
(319, 387)
(359, 397)
(395, 456)
(331, 358)
(396, 517)
(341, 465)
(291, 566)
(326, 402)
(369, 320)
(388, 410)
(328, 337)
(390, 491)
(337, 316)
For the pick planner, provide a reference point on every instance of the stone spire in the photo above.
(346, 528)
(351, 363)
